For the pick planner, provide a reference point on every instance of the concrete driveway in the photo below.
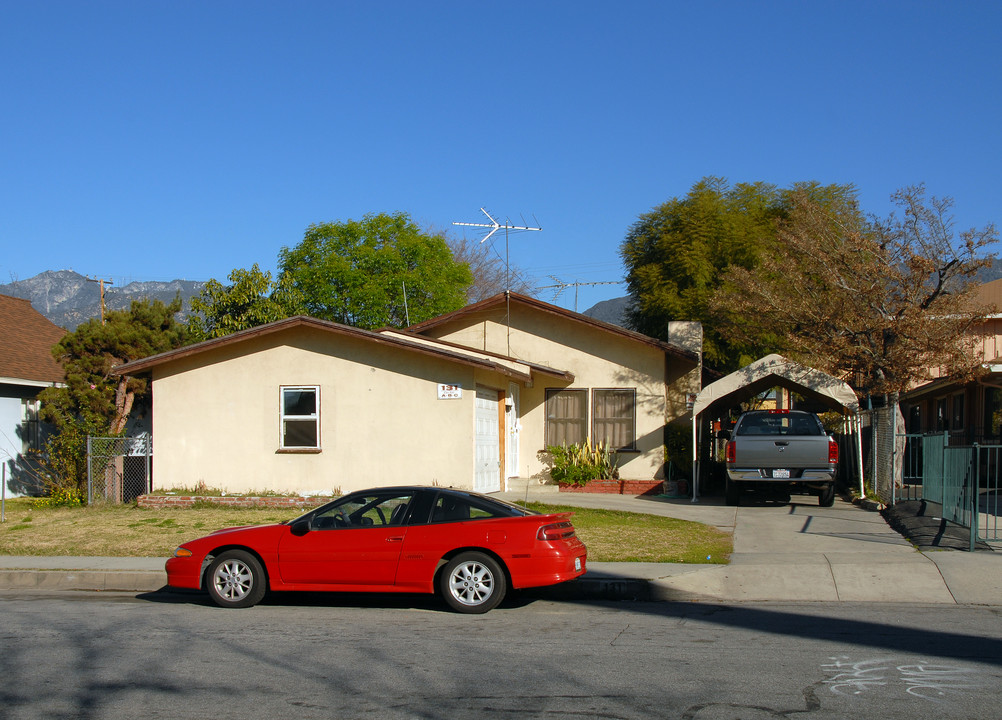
(802, 552)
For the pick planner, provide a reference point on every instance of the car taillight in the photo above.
(729, 452)
(832, 451)
(555, 531)
(779, 412)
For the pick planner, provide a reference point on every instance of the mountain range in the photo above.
(68, 299)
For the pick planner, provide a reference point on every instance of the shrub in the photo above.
(60, 496)
(582, 462)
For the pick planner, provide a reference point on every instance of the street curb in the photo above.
(583, 588)
(106, 580)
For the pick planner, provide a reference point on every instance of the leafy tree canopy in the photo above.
(94, 400)
(677, 254)
(251, 299)
(380, 271)
(877, 302)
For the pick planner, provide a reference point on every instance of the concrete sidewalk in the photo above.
(797, 552)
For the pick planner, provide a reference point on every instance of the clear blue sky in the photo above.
(155, 140)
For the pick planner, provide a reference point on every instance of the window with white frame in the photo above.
(30, 426)
(300, 417)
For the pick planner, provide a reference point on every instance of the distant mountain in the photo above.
(992, 272)
(610, 311)
(68, 298)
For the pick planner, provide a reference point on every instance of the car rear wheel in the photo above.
(826, 497)
(472, 582)
(236, 580)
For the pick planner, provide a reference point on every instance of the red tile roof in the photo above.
(26, 340)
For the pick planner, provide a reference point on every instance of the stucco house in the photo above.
(970, 412)
(468, 399)
(26, 368)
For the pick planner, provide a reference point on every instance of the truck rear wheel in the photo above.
(732, 493)
(826, 497)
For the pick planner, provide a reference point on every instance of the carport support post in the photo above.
(695, 462)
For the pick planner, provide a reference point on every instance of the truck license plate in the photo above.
(781, 473)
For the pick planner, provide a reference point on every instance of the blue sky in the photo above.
(161, 140)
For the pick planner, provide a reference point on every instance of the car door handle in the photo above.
(395, 538)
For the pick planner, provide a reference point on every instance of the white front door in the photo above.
(513, 427)
(487, 443)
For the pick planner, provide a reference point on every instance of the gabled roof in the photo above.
(772, 371)
(509, 368)
(530, 302)
(26, 340)
(535, 367)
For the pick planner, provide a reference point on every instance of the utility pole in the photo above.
(561, 286)
(101, 282)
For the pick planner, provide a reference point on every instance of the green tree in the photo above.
(95, 400)
(880, 303)
(252, 298)
(677, 255)
(380, 271)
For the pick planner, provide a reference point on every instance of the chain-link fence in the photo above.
(118, 468)
(884, 452)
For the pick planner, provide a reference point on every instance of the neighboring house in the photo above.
(26, 368)
(969, 412)
(468, 399)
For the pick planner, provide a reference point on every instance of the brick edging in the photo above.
(618, 487)
(161, 502)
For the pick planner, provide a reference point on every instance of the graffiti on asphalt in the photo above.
(929, 681)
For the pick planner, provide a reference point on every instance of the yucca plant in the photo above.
(579, 463)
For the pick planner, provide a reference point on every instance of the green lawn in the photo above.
(128, 531)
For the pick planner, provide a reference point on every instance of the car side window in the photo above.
(361, 511)
(450, 508)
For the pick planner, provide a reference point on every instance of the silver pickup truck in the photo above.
(775, 451)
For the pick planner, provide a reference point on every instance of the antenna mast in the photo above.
(495, 226)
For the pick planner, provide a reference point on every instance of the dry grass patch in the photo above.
(619, 536)
(118, 530)
(129, 531)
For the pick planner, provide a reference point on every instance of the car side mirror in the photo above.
(300, 527)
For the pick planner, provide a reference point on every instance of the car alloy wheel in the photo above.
(236, 579)
(473, 583)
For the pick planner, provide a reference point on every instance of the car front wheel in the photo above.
(472, 582)
(236, 580)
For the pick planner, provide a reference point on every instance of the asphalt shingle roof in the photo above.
(26, 340)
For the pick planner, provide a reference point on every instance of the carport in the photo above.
(769, 372)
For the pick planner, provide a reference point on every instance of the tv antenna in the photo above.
(494, 227)
(561, 286)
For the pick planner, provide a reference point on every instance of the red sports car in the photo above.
(468, 547)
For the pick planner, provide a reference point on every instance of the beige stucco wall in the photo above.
(216, 416)
(598, 359)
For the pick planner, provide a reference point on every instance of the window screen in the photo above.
(614, 418)
(566, 416)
